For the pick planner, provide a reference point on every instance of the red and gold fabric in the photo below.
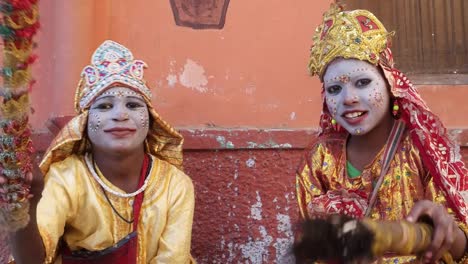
(323, 187)
(358, 34)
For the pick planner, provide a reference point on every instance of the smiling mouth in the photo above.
(352, 115)
(119, 129)
(120, 132)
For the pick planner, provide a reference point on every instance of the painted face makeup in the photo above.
(118, 120)
(356, 95)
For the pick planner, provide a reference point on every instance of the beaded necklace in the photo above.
(91, 169)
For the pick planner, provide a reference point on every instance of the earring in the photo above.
(333, 121)
(395, 108)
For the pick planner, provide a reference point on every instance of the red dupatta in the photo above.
(439, 152)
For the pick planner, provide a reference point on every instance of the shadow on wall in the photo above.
(208, 14)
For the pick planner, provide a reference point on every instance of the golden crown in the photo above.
(356, 34)
(111, 63)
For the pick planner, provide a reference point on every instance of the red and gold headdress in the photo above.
(356, 34)
(360, 35)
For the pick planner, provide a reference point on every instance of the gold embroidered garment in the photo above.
(74, 208)
(323, 186)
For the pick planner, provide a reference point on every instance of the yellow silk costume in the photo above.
(73, 206)
(324, 172)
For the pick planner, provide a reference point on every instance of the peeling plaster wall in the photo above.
(245, 209)
(251, 73)
(198, 77)
(245, 205)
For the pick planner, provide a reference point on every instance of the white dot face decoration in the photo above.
(144, 118)
(356, 95)
(94, 122)
(118, 120)
(376, 97)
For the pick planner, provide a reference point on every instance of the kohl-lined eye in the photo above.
(363, 82)
(133, 105)
(334, 89)
(103, 106)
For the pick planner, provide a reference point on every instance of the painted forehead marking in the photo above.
(121, 93)
(345, 78)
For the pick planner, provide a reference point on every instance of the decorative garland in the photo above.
(20, 22)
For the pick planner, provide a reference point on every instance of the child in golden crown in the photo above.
(381, 153)
(113, 190)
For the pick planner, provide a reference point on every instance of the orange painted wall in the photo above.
(252, 73)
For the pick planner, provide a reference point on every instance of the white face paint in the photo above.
(356, 95)
(118, 120)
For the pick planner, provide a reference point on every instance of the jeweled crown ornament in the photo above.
(356, 34)
(111, 63)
